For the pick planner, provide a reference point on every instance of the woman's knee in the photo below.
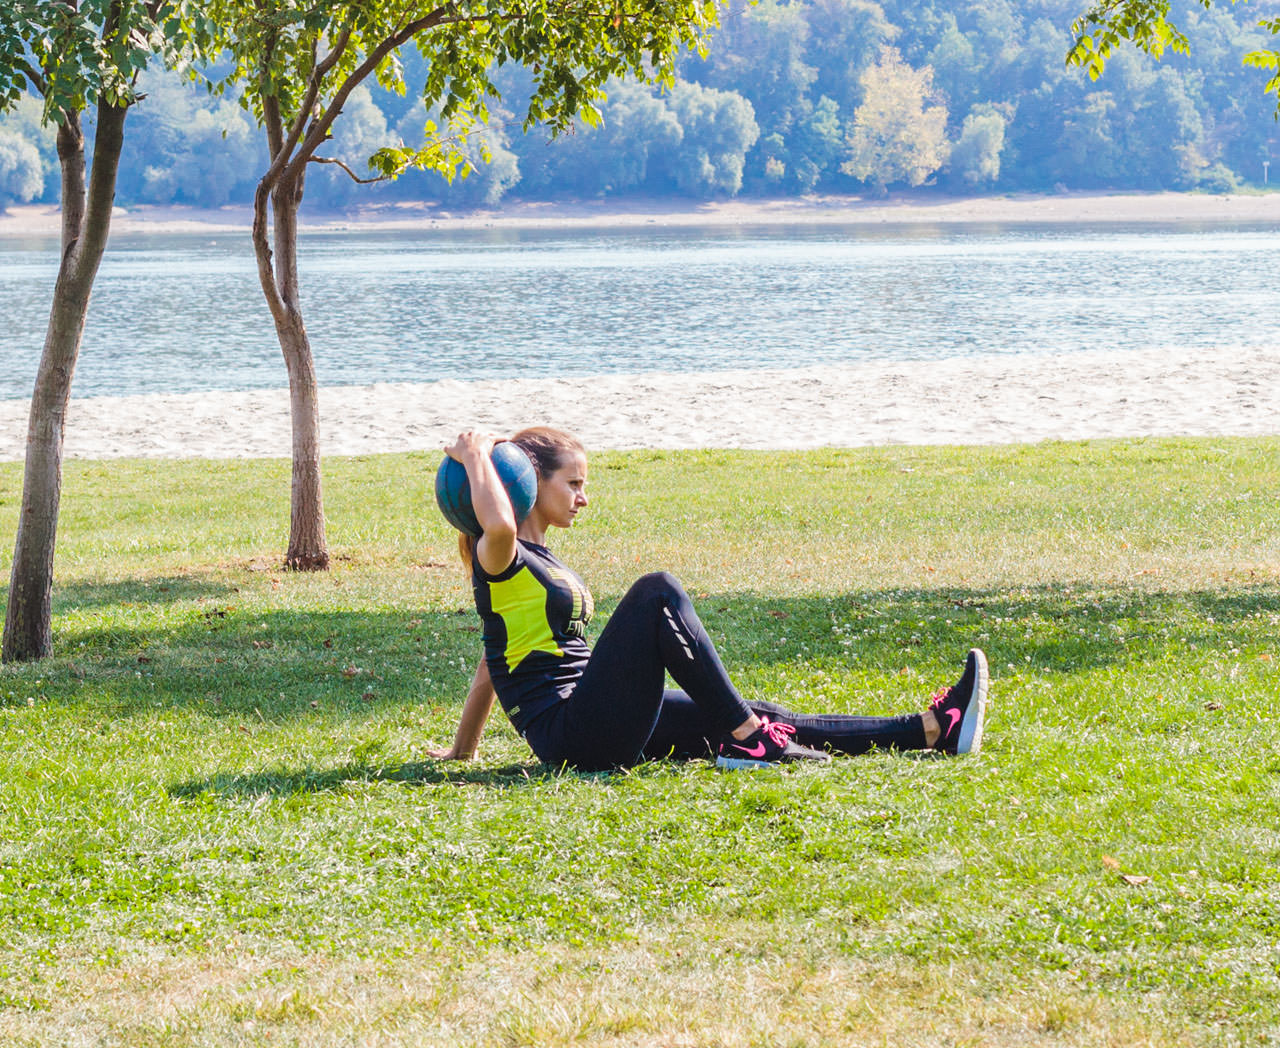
(656, 584)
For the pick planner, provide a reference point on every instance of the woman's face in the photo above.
(562, 493)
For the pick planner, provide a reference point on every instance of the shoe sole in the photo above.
(975, 714)
(743, 764)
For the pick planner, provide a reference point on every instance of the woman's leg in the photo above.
(683, 731)
(846, 733)
(614, 707)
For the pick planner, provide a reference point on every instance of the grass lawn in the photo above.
(218, 825)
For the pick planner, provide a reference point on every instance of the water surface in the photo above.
(183, 313)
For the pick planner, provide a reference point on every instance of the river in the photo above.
(183, 313)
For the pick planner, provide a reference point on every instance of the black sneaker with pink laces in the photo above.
(962, 708)
(766, 747)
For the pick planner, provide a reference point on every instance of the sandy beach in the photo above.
(906, 208)
(982, 400)
(969, 400)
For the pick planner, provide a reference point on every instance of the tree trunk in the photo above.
(308, 547)
(28, 631)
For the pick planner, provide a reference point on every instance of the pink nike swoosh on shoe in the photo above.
(954, 714)
(751, 751)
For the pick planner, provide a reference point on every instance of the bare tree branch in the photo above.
(354, 177)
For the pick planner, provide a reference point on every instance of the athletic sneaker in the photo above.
(766, 747)
(961, 708)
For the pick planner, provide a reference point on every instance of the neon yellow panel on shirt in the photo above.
(522, 602)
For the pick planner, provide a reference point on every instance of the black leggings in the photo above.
(620, 712)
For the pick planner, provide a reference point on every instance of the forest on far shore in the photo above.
(850, 96)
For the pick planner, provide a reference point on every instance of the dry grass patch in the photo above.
(670, 990)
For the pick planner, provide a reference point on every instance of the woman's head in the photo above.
(560, 460)
(561, 463)
(548, 449)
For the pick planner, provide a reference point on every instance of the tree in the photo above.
(299, 64)
(976, 155)
(75, 55)
(637, 128)
(1146, 23)
(184, 147)
(21, 176)
(718, 127)
(896, 137)
(760, 54)
(845, 38)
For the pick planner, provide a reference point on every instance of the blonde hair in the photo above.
(548, 449)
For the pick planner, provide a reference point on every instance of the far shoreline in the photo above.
(39, 220)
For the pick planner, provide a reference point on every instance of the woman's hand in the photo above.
(471, 445)
(451, 754)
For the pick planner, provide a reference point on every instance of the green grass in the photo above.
(218, 825)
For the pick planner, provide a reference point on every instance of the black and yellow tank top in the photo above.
(535, 617)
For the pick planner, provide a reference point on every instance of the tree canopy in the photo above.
(788, 75)
(898, 136)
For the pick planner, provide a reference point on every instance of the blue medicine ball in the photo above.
(453, 489)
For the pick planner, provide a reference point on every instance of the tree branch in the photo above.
(282, 147)
(262, 251)
(318, 132)
(354, 177)
(314, 82)
(108, 137)
(33, 75)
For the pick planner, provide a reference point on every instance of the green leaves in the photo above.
(1268, 60)
(72, 56)
(314, 54)
(1146, 24)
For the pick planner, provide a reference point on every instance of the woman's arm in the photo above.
(475, 712)
(496, 548)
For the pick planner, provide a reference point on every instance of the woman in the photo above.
(607, 707)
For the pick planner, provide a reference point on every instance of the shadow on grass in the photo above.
(82, 596)
(223, 658)
(283, 783)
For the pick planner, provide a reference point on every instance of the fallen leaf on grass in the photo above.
(351, 671)
(1132, 879)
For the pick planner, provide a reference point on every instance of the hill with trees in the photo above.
(792, 97)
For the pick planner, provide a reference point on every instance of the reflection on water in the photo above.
(180, 313)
